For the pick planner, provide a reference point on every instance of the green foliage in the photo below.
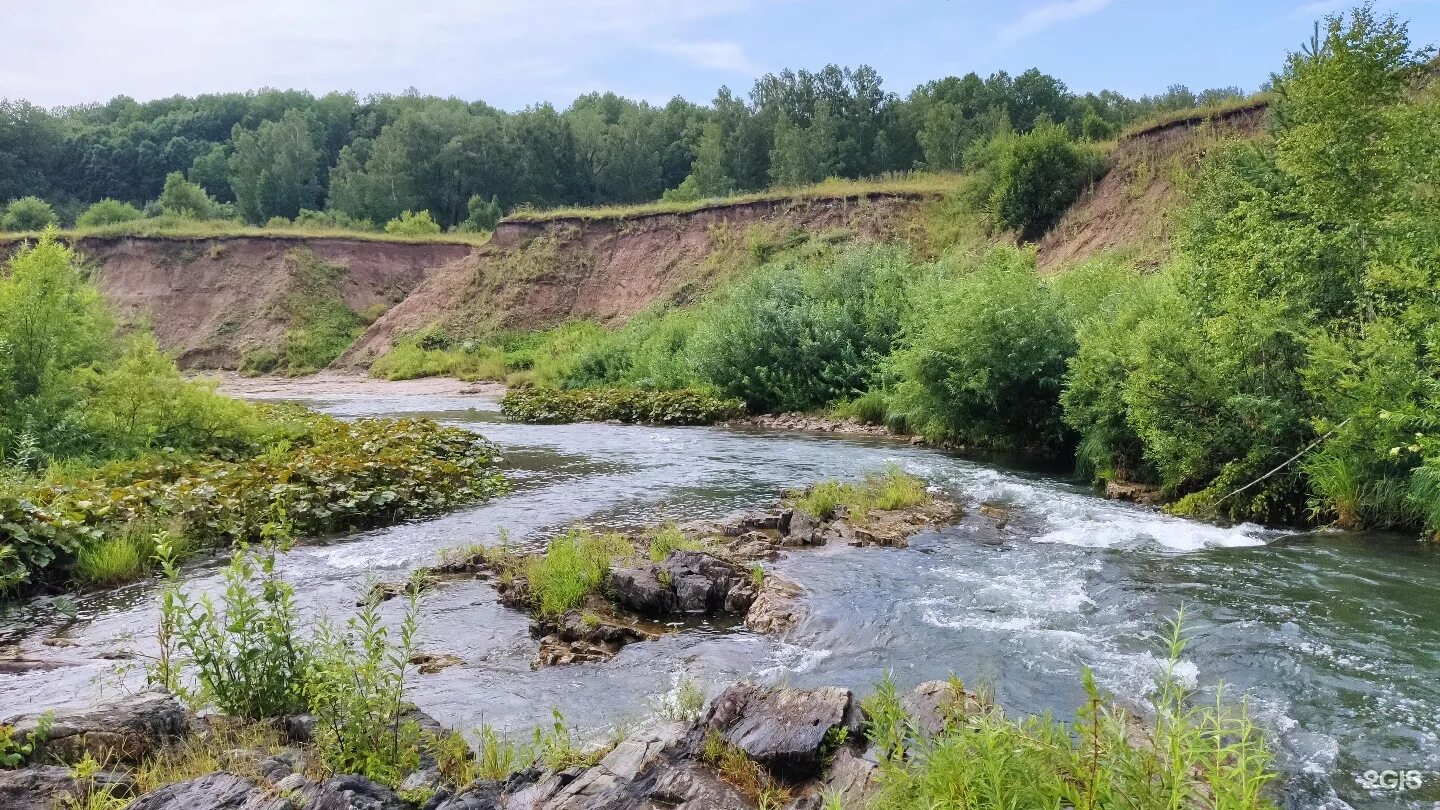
(572, 567)
(321, 326)
(408, 361)
(243, 654)
(679, 407)
(355, 685)
(13, 752)
(411, 223)
(28, 214)
(483, 216)
(669, 539)
(1038, 175)
(984, 356)
(802, 335)
(274, 170)
(331, 220)
(183, 199)
(1185, 756)
(333, 476)
(107, 212)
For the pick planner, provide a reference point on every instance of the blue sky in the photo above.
(515, 52)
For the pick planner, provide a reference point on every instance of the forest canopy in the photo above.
(289, 154)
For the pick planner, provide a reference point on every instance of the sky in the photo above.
(512, 53)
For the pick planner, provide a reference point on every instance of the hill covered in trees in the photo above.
(275, 153)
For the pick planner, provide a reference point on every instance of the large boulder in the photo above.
(45, 786)
(934, 706)
(353, 793)
(687, 582)
(789, 731)
(611, 783)
(120, 733)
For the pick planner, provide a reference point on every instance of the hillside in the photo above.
(1133, 205)
(213, 301)
(539, 272)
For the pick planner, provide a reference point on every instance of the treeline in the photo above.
(273, 153)
(1282, 367)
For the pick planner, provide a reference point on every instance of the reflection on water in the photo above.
(1335, 639)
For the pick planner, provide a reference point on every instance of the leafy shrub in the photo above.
(355, 684)
(244, 654)
(108, 212)
(795, 337)
(183, 199)
(683, 407)
(411, 223)
(483, 215)
(331, 220)
(1038, 175)
(28, 214)
(984, 359)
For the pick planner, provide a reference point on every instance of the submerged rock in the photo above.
(1130, 491)
(777, 609)
(122, 733)
(431, 663)
(578, 638)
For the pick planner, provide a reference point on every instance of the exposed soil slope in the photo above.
(1133, 205)
(212, 300)
(537, 273)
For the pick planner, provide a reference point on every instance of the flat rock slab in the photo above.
(123, 732)
(47, 786)
(786, 730)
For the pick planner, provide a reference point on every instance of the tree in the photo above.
(184, 199)
(108, 212)
(275, 168)
(28, 214)
(708, 170)
(484, 215)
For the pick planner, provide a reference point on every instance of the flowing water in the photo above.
(1334, 639)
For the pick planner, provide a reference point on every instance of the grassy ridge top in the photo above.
(172, 228)
(928, 183)
(1196, 114)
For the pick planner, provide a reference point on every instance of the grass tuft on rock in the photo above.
(572, 567)
(892, 489)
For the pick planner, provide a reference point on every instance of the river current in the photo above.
(1333, 639)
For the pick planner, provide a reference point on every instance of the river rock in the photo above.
(216, 791)
(687, 582)
(352, 793)
(1131, 491)
(123, 732)
(45, 786)
(431, 663)
(573, 640)
(804, 530)
(789, 731)
(777, 609)
(852, 779)
(935, 705)
(611, 782)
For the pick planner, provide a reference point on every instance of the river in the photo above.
(1333, 639)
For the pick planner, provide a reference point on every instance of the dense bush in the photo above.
(679, 407)
(802, 335)
(108, 212)
(185, 200)
(407, 361)
(28, 214)
(412, 223)
(1038, 175)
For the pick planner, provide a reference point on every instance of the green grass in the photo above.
(572, 567)
(112, 560)
(408, 362)
(191, 229)
(892, 489)
(668, 538)
(1186, 755)
(1194, 113)
(928, 183)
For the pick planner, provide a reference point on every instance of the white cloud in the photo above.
(729, 56)
(88, 50)
(1049, 15)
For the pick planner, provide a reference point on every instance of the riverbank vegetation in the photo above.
(664, 407)
(107, 449)
(1278, 368)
